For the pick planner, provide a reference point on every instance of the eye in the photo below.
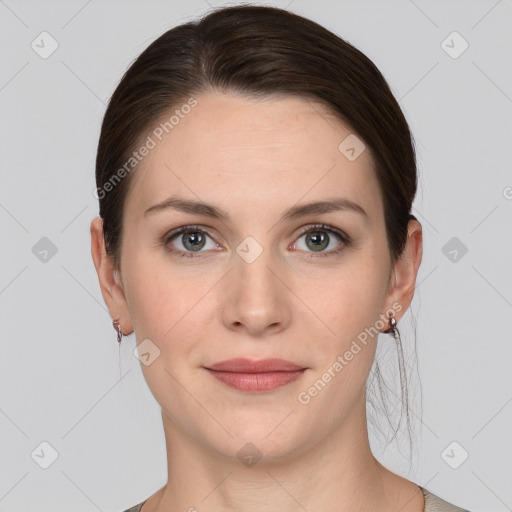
(189, 239)
(320, 237)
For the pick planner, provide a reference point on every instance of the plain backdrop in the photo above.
(70, 399)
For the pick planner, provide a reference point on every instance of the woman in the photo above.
(256, 177)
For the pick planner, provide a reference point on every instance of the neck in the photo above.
(339, 473)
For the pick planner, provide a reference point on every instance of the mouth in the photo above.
(255, 376)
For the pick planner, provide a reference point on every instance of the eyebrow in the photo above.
(297, 211)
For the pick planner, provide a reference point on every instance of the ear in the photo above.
(403, 280)
(109, 278)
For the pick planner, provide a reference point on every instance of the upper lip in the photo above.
(243, 365)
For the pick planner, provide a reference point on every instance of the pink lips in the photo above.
(256, 376)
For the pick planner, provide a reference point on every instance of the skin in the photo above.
(255, 159)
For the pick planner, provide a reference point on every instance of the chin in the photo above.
(256, 442)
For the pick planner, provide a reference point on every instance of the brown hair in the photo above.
(257, 51)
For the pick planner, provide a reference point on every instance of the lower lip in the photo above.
(256, 382)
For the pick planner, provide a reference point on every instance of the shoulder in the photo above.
(434, 503)
(136, 508)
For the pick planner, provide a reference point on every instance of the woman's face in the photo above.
(261, 282)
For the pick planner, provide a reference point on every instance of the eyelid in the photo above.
(324, 227)
(184, 229)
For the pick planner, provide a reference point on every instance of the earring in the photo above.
(393, 329)
(117, 327)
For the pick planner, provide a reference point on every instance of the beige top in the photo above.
(433, 503)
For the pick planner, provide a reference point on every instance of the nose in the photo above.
(256, 300)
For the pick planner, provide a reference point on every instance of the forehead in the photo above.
(271, 151)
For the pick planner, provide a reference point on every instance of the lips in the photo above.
(255, 376)
(250, 366)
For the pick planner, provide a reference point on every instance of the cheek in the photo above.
(156, 300)
(167, 305)
(347, 355)
(147, 300)
(351, 304)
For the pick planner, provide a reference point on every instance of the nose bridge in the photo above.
(255, 279)
(255, 296)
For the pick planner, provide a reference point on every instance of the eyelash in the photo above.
(344, 238)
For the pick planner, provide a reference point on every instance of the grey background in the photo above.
(63, 379)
